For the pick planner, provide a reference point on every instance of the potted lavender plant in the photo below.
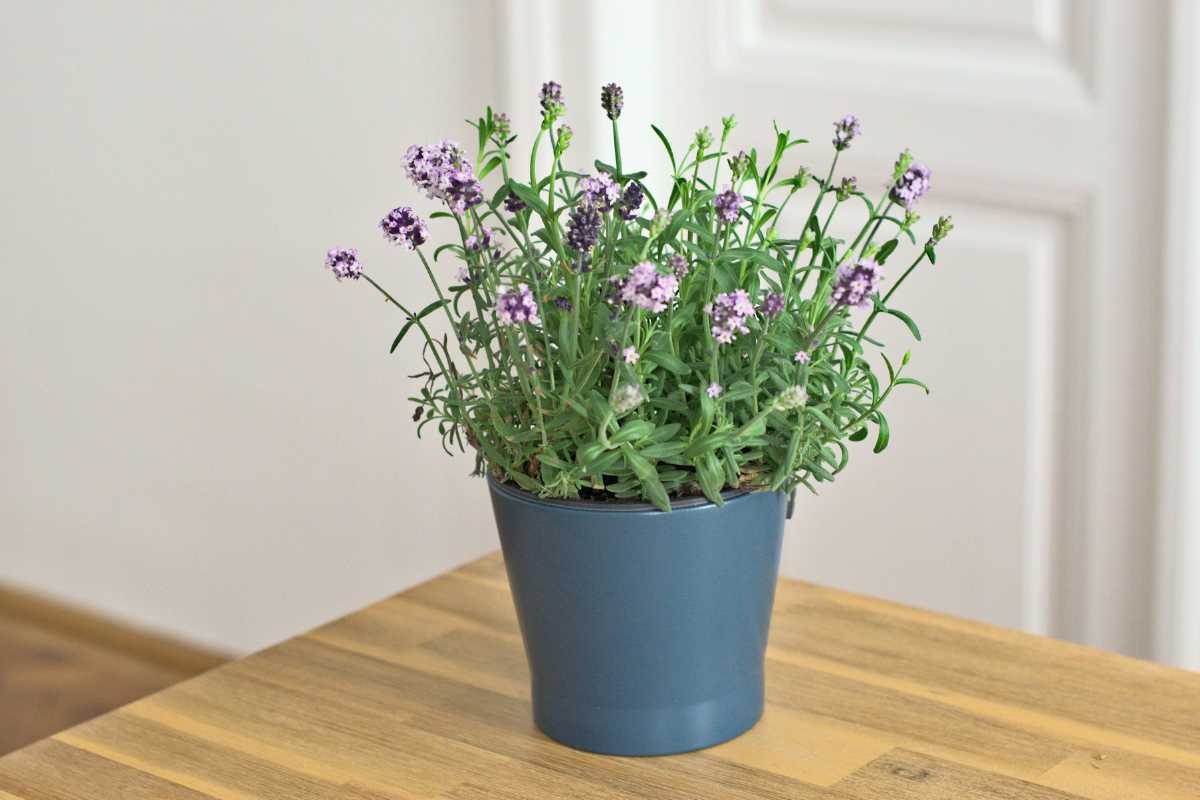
(644, 382)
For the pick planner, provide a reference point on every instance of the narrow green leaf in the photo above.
(424, 312)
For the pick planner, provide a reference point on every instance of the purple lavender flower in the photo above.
(630, 354)
(646, 287)
(772, 305)
(343, 263)
(463, 191)
(563, 303)
(502, 126)
(403, 226)
(551, 98)
(856, 283)
(714, 390)
(801, 357)
(583, 227)
(429, 166)
(612, 100)
(513, 204)
(517, 306)
(601, 191)
(729, 313)
(845, 130)
(631, 200)
(911, 186)
(678, 265)
(727, 204)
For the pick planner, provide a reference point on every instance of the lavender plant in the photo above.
(607, 344)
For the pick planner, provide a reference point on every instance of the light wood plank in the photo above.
(425, 695)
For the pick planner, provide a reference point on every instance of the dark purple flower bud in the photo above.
(513, 204)
(502, 126)
(856, 283)
(772, 305)
(727, 204)
(403, 226)
(583, 227)
(612, 100)
(845, 130)
(343, 263)
(678, 265)
(551, 98)
(911, 186)
(463, 191)
(563, 303)
(631, 200)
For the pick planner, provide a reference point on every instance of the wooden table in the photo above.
(424, 695)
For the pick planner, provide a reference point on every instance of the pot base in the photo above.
(648, 731)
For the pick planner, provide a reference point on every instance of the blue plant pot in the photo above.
(645, 631)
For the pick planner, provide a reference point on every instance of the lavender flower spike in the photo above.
(343, 263)
(911, 186)
(845, 130)
(772, 305)
(630, 355)
(517, 306)
(727, 204)
(612, 100)
(714, 390)
(583, 227)
(856, 283)
(729, 313)
(646, 287)
(551, 98)
(631, 200)
(627, 397)
(403, 226)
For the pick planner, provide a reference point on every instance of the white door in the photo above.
(1021, 491)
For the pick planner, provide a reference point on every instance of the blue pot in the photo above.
(645, 631)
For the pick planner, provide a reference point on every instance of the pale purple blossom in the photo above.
(911, 186)
(403, 226)
(845, 130)
(486, 241)
(729, 313)
(727, 204)
(343, 263)
(678, 265)
(517, 306)
(856, 283)
(601, 191)
(429, 166)
(463, 191)
(714, 390)
(801, 357)
(630, 354)
(772, 305)
(646, 287)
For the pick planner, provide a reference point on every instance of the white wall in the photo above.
(202, 431)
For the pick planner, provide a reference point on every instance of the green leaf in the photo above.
(668, 361)
(884, 434)
(489, 166)
(906, 319)
(528, 196)
(931, 254)
(424, 312)
(912, 382)
(632, 431)
(886, 250)
(662, 137)
(644, 469)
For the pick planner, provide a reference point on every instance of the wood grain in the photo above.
(424, 695)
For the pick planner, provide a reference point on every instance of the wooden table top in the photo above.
(424, 695)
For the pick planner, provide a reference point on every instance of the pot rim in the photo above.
(611, 507)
